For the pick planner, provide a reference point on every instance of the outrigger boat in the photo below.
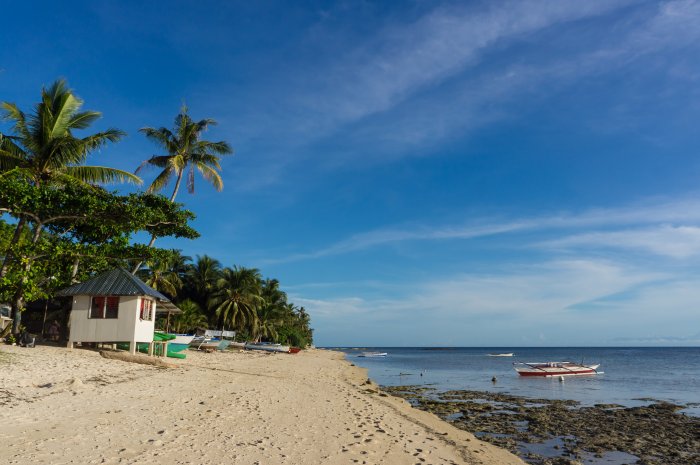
(555, 369)
(267, 347)
(372, 354)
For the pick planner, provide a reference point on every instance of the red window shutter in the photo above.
(97, 308)
(112, 309)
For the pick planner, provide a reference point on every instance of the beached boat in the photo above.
(294, 350)
(267, 347)
(373, 354)
(509, 354)
(555, 369)
(180, 341)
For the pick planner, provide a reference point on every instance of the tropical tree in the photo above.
(163, 275)
(237, 297)
(185, 152)
(269, 319)
(190, 318)
(81, 222)
(200, 280)
(43, 149)
(270, 314)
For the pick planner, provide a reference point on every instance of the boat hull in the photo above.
(373, 354)
(181, 338)
(268, 347)
(544, 370)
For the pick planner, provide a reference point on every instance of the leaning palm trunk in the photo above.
(153, 237)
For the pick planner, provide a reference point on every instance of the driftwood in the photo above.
(143, 359)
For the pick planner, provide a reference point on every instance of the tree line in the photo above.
(68, 226)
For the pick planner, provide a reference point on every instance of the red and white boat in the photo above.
(555, 369)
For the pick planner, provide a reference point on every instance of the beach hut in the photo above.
(115, 306)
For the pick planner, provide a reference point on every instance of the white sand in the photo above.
(59, 406)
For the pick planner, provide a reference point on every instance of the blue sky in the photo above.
(518, 173)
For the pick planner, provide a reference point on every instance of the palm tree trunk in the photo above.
(74, 271)
(153, 237)
(177, 185)
(138, 265)
(17, 309)
(18, 298)
(8, 254)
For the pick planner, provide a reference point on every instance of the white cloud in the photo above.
(676, 242)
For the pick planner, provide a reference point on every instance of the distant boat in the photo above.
(373, 354)
(555, 369)
(509, 354)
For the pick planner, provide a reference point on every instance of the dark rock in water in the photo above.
(657, 434)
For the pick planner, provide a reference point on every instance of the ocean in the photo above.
(631, 376)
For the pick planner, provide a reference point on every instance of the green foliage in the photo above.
(74, 221)
(239, 299)
(190, 319)
(236, 297)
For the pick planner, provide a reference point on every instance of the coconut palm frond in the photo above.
(101, 175)
(210, 175)
(161, 180)
(83, 119)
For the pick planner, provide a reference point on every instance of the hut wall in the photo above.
(126, 327)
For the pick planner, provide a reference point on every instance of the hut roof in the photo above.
(115, 282)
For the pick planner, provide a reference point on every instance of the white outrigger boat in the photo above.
(373, 354)
(267, 347)
(555, 369)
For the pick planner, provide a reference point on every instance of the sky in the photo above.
(416, 173)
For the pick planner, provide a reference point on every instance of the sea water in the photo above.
(631, 376)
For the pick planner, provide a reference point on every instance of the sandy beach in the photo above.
(60, 406)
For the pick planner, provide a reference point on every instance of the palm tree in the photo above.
(184, 149)
(162, 275)
(44, 149)
(201, 278)
(271, 313)
(190, 318)
(237, 297)
(269, 317)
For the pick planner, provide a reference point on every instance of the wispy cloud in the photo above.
(373, 93)
(675, 232)
(403, 59)
(476, 99)
(676, 242)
